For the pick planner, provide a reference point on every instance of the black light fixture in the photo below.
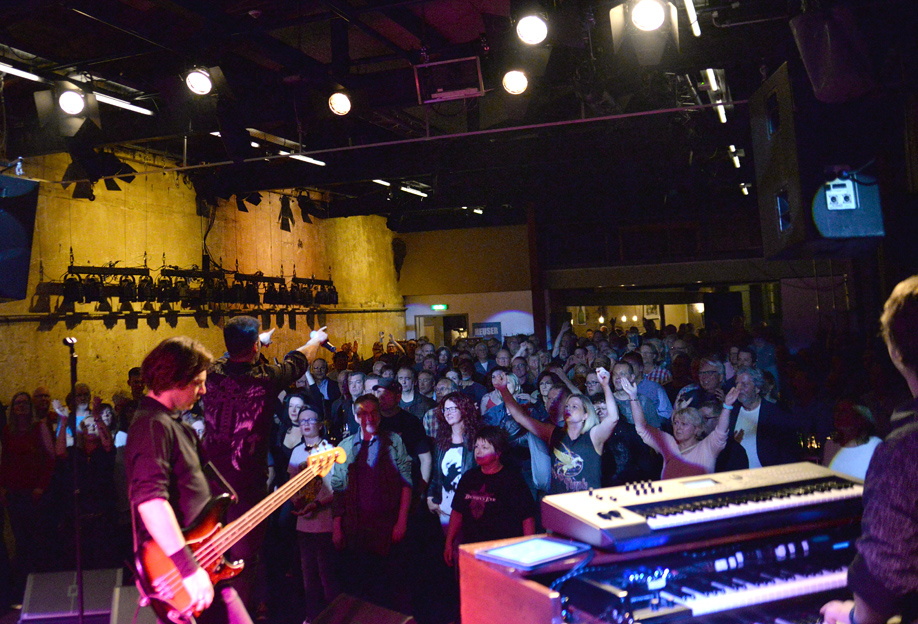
(649, 25)
(145, 289)
(253, 198)
(73, 290)
(308, 207)
(67, 107)
(286, 215)
(240, 205)
(127, 289)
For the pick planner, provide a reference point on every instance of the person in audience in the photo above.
(444, 360)
(25, 472)
(458, 422)
(483, 362)
(682, 375)
(410, 430)
(426, 384)
(412, 400)
(687, 451)
(576, 447)
(94, 452)
(854, 441)
(491, 501)
(444, 387)
(884, 574)
(370, 514)
(768, 434)
(733, 456)
(650, 389)
(520, 368)
(467, 383)
(312, 507)
(710, 383)
(624, 371)
(653, 364)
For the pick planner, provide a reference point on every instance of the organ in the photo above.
(766, 546)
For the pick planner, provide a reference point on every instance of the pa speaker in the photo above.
(125, 608)
(52, 598)
(815, 199)
(18, 203)
(349, 610)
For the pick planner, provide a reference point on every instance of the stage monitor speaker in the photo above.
(18, 203)
(124, 607)
(349, 610)
(51, 598)
(813, 199)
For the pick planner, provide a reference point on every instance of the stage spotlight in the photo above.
(253, 198)
(532, 29)
(198, 81)
(240, 205)
(648, 15)
(71, 102)
(339, 103)
(515, 82)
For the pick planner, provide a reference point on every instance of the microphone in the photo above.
(325, 344)
(69, 342)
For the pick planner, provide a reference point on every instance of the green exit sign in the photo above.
(439, 307)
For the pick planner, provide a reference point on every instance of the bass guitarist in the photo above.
(167, 486)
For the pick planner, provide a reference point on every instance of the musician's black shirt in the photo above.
(885, 571)
(162, 461)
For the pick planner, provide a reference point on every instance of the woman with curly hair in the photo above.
(458, 421)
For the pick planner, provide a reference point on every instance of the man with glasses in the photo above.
(710, 383)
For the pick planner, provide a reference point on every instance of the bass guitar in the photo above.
(209, 540)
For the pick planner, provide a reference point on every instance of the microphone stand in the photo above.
(71, 344)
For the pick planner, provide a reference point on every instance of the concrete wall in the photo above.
(154, 218)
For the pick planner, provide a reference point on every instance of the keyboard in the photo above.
(656, 513)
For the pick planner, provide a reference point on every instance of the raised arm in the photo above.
(637, 412)
(316, 338)
(723, 422)
(556, 347)
(537, 427)
(397, 345)
(562, 375)
(603, 431)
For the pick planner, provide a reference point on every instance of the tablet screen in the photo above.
(533, 552)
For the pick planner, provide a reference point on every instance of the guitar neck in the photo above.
(240, 527)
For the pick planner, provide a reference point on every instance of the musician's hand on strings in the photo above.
(200, 590)
(837, 612)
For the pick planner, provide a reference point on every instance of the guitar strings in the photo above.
(209, 554)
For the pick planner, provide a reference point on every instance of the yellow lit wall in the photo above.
(153, 220)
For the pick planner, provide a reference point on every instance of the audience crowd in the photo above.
(453, 443)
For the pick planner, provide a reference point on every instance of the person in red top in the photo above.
(25, 472)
